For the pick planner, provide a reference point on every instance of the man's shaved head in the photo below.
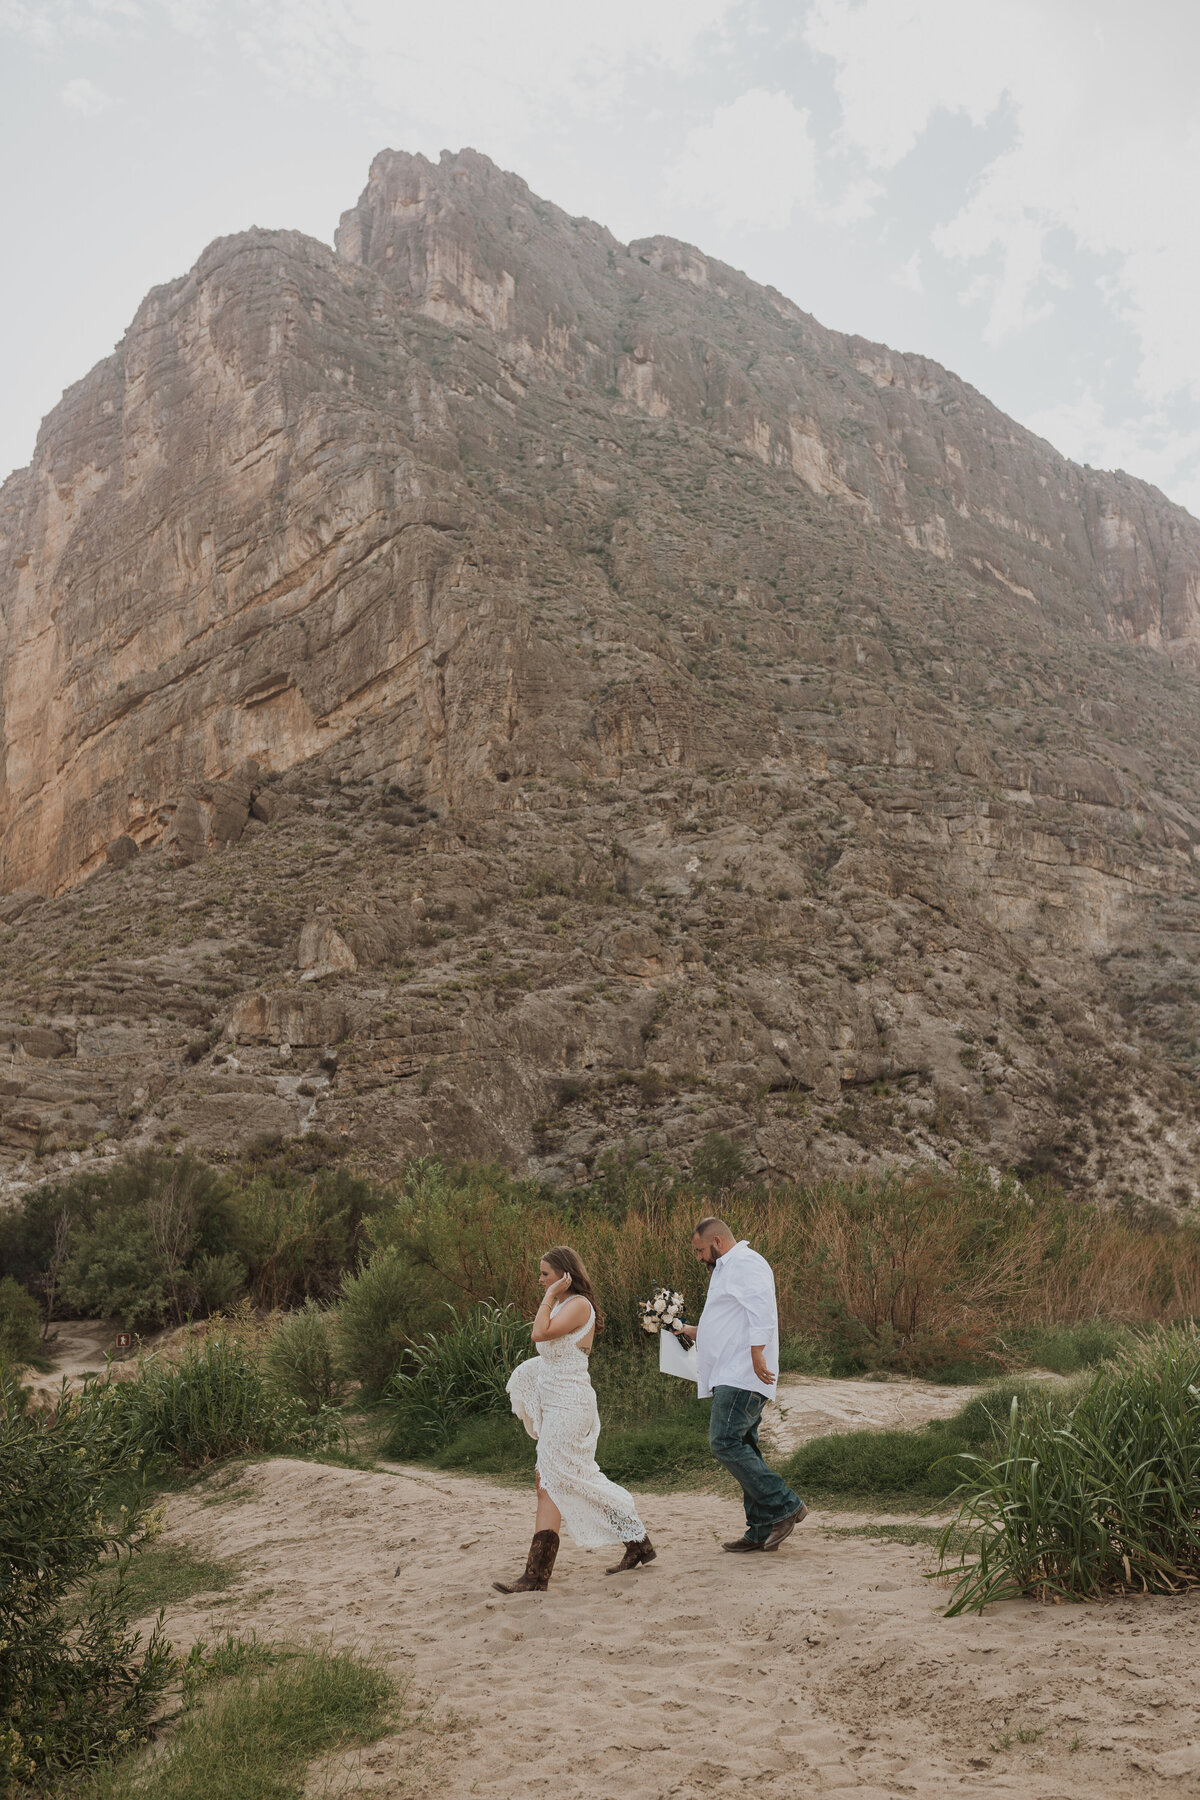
(712, 1227)
(711, 1239)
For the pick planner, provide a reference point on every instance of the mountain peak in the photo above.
(714, 652)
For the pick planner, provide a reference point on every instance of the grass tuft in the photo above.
(1097, 1497)
(162, 1575)
(251, 1732)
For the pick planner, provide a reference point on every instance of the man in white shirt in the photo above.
(737, 1356)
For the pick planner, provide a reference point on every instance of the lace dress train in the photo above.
(553, 1397)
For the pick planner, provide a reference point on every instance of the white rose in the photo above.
(649, 1325)
(660, 1304)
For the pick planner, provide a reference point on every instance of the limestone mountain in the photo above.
(517, 694)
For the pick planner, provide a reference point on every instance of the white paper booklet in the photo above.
(676, 1359)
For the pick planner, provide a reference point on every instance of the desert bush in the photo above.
(297, 1235)
(145, 1242)
(455, 1376)
(76, 1684)
(299, 1357)
(383, 1310)
(113, 1272)
(1103, 1499)
(20, 1326)
(718, 1164)
(213, 1403)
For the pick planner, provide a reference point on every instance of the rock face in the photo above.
(647, 713)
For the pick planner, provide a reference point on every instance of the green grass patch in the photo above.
(1069, 1349)
(1094, 1496)
(918, 1467)
(663, 1451)
(158, 1576)
(251, 1732)
(870, 1464)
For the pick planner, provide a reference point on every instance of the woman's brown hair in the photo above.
(567, 1262)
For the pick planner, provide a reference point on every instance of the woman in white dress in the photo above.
(553, 1397)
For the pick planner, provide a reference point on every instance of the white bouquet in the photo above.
(663, 1312)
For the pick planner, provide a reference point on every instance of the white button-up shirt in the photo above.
(740, 1311)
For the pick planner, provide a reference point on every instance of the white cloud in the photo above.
(752, 164)
(1150, 446)
(909, 274)
(48, 23)
(83, 96)
(1104, 142)
(476, 73)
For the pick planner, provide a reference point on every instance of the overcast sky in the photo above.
(1009, 186)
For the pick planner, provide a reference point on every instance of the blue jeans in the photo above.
(733, 1440)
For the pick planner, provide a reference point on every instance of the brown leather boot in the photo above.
(634, 1554)
(538, 1566)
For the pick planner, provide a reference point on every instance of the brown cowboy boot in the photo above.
(538, 1566)
(634, 1554)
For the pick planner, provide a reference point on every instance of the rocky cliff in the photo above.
(520, 694)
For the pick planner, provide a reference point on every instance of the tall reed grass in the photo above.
(213, 1403)
(454, 1377)
(1104, 1499)
(915, 1271)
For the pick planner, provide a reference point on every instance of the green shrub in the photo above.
(113, 1272)
(1102, 1498)
(299, 1357)
(718, 1164)
(455, 1377)
(20, 1327)
(145, 1242)
(487, 1444)
(384, 1309)
(76, 1684)
(890, 1463)
(662, 1449)
(921, 1465)
(1066, 1349)
(212, 1404)
(297, 1235)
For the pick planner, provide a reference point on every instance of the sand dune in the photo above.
(824, 1667)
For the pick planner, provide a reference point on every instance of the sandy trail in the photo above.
(811, 1406)
(825, 1666)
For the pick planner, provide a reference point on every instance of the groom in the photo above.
(737, 1341)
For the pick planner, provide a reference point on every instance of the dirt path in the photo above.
(825, 1666)
(77, 1347)
(811, 1406)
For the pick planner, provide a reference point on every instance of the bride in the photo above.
(552, 1395)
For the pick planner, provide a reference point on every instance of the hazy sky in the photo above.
(1009, 186)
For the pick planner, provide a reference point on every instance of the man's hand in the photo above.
(765, 1375)
(686, 1331)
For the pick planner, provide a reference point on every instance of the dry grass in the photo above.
(914, 1270)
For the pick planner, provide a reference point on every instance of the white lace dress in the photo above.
(553, 1397)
